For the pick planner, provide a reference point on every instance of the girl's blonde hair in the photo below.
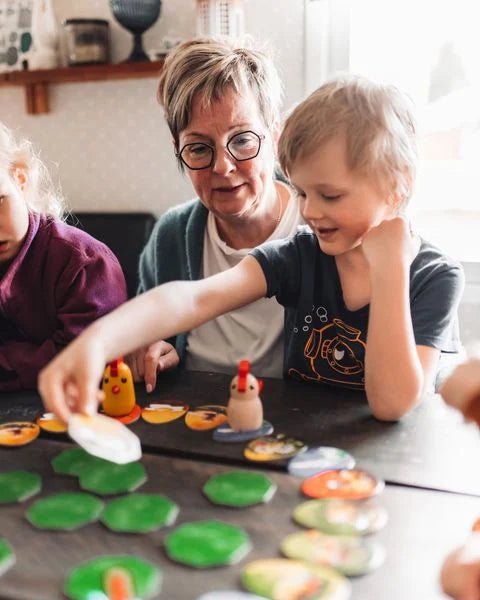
(378, 125)
(40, 193)
(204, 68)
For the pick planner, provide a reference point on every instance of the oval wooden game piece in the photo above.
(51, 423)
(316, 460)
(139, 513)
(273, 447)
(206, 417)
(65, 510)
(18, 433)
(239, 489)
(163, 412)
(109, 478)
(87, 581)
(352, 484)
(17, 486)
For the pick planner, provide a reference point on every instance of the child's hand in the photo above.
(460, 575)
(69, 383)
(463, 386)
(145, 363)
(389, 244)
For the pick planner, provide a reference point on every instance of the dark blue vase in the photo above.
(136, 16)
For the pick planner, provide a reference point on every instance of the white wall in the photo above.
(106, 142)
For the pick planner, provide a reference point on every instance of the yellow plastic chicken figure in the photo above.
(244, 409)
(117, 386)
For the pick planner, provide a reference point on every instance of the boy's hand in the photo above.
(389, 244)
(145, 363)
(462, 387)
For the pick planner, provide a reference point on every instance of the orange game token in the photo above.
(206, 417)
(18, 433)
(51, 423)
(164, 412)
(126, 419)
(354, 484)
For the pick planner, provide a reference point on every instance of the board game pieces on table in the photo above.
(7, 556)
(354, 484)
(65, 511)
(108, 478)
(316, 460)
(341, 517)
(274, 447)
(89, 580)
(203, 418)
(139, 513)
(17, 486)
(244, 408)
(225, 433)
(280, 578)
(351, 555)
(18, 433)
(73, 461)
(119, 392)
(239, 488)
(50, 423)
(164, 412)
(204, 544)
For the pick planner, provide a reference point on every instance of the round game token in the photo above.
(273, 447)
(281, 579)
(88, 581)
(353, 484)
(341, 517)
(228, 595)
(205, 544)
(51, 423)
(225, 433)
(109, 478)
(316, 460)
(18, 433)
(132, 416)
(164, 412)
(7, 556)
(351, 555)
(207, 417)
(239, 488)
(17, 486)
(73, 460)
(66, 510)
(139, 513)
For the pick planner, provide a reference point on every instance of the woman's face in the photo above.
(230, 189)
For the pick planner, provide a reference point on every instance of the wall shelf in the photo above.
(36, 82)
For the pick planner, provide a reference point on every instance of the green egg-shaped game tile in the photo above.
(239, 488)
(280, 578)
(87, 581)
(73, 461)
(349, 554)
(341, 517)
(205, 544)
(17, 486)
(139, 513)
(66, 510)
(110, 478)
(7, 557)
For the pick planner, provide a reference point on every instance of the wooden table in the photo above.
(423, 526)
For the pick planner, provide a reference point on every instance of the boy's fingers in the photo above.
(151, 364)
(54, 396)
(87, 402)
(169, 360)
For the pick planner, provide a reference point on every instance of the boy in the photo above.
(368, 304)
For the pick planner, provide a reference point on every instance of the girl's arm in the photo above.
(397, 371)
(70, 381)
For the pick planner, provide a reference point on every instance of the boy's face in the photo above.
(13, 216)
(339, 204)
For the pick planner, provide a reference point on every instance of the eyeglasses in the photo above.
(242, 146)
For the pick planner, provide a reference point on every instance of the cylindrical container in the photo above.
(86, 41)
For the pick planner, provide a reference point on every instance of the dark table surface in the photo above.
(423, 526)
(431, 448)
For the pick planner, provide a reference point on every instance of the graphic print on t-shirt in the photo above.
(335, 354)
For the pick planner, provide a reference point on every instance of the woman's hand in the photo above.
(69, 383)
(145, 363)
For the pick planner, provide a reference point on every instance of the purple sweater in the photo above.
(61, 281)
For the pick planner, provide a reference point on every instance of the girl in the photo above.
(54, 279)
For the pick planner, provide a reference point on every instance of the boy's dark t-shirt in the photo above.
(324, 341)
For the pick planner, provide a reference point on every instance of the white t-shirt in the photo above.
(255, 331)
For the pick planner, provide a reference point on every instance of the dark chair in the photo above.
(124, 233)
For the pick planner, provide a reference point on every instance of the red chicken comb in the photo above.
(114, 366)
(243, 370)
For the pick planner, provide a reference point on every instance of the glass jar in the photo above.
(86, 41)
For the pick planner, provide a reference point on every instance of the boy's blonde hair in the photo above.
(40, 194)
(204, 68)
(377, 122)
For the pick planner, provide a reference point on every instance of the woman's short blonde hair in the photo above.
(204, 68)
(378, 124)
(40, 194)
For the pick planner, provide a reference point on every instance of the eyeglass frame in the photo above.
(260, 137)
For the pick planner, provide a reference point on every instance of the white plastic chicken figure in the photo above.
(244, 410)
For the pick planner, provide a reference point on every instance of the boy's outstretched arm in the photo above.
(69, 383)
(397, 371)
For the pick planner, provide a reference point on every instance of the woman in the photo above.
(221, 103)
